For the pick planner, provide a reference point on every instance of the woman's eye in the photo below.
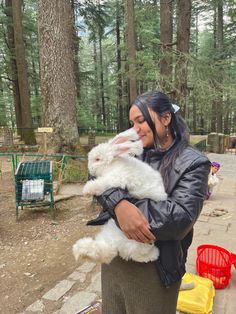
(140, 121)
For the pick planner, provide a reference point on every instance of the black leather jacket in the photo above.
(172, 220)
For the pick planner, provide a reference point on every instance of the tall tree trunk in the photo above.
(119, 75)
(13, 68)
(201, 123)
(35, 81)
(194, 100)
(125, 97)
(194, 115)
(76, 49)
(166, 36)
(183, 37)
(27, 126)
(217, 104)
(34, 76)
(125, 82)
(219, 47)
(227, 122)
(97, 108)
(99, 30)
(214, 102)
(57, 73)
(131, 48)
(102, 93)
(196, 33)
(3, 117)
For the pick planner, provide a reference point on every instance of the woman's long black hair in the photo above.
(160, 103)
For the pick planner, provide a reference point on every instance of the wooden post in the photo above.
(45, 131)
(91, 139)
(8, 137)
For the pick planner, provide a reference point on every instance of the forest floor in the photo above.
(36, 251)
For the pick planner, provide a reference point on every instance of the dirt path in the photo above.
(35, 252)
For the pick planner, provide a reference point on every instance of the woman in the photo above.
(152, 288)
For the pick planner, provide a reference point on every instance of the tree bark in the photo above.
(119, 75)
(97, 107)
(131, 49)
(102, 93)
(27, 126)
(13, 68)
(219, 47)
(76, 49)
(3, 118)
(217, 104)
(183, 37)
(196, 33)
(166, 36)
(214, 103)
(57, 73)
(194, 115)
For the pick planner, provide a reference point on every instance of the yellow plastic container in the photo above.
(198, 300)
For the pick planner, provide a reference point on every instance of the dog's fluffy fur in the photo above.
(113, 165)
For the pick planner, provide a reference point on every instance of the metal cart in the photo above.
(34, 185)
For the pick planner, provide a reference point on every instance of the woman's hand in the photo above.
(133, 223)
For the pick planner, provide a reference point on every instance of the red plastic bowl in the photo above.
(215, 263)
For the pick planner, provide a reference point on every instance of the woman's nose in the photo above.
(136, 127)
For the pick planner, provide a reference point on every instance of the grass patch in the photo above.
(194, 139)
(75, 171)
(99, 139)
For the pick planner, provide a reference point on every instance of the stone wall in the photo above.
(217, 143)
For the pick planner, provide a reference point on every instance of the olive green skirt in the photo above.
(135, 288)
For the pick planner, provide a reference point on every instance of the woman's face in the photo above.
(139, 123)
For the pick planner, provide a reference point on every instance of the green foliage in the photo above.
(29, 21)
(75, 170)
(211, 72)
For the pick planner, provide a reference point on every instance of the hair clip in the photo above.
(175, 107)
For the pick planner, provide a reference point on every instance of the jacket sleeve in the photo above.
(174, 218)
(110, 198)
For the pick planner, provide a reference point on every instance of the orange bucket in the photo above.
(214, 262)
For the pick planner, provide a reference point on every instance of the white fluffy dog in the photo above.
(114, 165)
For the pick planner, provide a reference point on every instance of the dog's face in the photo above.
(99, 158)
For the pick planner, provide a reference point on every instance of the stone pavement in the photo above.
(216, 225)
(219, 230)
(70, 294)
